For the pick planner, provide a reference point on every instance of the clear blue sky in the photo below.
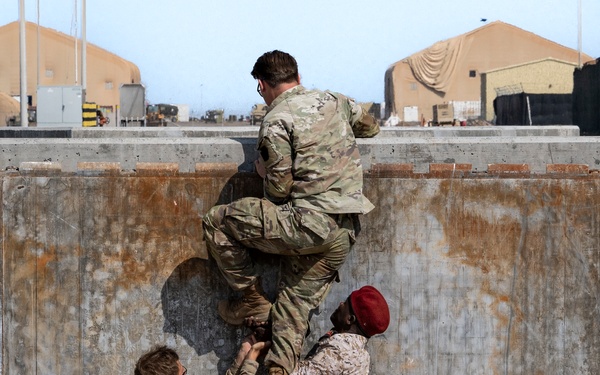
(201, 52)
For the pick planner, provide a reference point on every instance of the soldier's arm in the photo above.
(363, 124)
(276, 154)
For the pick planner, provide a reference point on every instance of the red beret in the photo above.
(371, 310)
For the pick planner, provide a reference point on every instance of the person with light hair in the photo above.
(161, 360)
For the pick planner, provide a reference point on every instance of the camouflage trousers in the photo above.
(312, 247)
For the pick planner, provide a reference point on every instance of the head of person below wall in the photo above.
(364, 312)
(161, 360)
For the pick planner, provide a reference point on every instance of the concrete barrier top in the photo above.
(252, 131)
(479, 152)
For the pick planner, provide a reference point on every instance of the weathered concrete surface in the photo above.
(485, 273)
(478, 151)
(128, 152)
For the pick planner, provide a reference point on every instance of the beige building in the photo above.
(450, 70)
(547, 76)
(58, 66)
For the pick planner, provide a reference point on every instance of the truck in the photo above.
(161, 114)
(214, 116)
(257, 113)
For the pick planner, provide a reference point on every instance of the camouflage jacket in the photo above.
(308, 146)
(335, 353)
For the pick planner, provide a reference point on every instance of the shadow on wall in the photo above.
(189, 300)
(190, 295)
(250, 154)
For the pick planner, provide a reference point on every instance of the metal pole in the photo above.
(83, 53)
(38, 43)
(76, 45)
(23, 64)
(528, 111)
(579, 32)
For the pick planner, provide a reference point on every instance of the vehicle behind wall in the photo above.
(161, 114)
(214, 116)
(257, 114)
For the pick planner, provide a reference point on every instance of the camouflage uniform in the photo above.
(336, 353)
(313, 193)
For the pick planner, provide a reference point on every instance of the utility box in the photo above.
(132, 104)
(411, 114)
(59, 106)
(443, 114)
(183, 115)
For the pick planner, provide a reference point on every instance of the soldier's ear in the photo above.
(298, 78)
(351, 319)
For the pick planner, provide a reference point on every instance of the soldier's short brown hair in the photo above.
(276, 67)
(161, 360)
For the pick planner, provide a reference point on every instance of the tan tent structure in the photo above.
(9, 107)
(449, 71)
(105, 70)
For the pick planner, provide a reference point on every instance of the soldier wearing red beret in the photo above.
(342, 350)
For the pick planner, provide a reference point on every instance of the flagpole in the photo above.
(83, 52)
(38, 45)
(579, 32)
(23, 64)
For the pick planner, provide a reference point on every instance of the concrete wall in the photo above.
(487, 271)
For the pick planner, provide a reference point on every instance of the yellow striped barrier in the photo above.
(89, 114)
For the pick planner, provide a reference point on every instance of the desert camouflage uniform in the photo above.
(336, 353)
(312, 195)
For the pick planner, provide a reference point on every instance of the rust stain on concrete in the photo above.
(523, 235)
(486, 273)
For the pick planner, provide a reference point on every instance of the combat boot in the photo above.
(276, 370)
(253, 303)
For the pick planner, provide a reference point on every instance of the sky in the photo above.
(201, 52)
